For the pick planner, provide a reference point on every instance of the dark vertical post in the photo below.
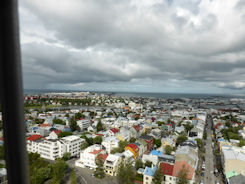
(12, 94)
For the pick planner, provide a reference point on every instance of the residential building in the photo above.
(110, 143)
(52, 148)
(83, 124)
(233, 159)
(149, 140)
(149, 174)
(89, 155)
(112, 163)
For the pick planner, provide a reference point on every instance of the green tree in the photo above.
(242, 143)
(84, 145)
(158, 176)
(73, 177)
(59, 169)
(199, 143)
(79, 115)
(132, 140)
(64, 134)
(66, 156)
(99, 171)
(182, 175)
(181, 139)
(41, 175)
(138, 164)
(125, 173)
(58, 121)
(148, 163)
(160, 123)
(67, 115)
(168, 150)
(73, 124)
(40, 170)
(157, 142)
(97, 140)
(205, 136)
(188, 127)
(99, 126)
(228, 124)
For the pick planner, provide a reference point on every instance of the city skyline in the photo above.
(136, 46)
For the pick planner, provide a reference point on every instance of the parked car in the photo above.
(203, 166)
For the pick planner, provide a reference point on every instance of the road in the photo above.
(84, 175)
(209, 157)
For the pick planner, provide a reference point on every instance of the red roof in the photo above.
(95, 152)
(103, 156)
(114, 130)
(136, 127)
(218, 124)
(100, 135)
(133, 146)
(57, 131)
(179, 165)
(167, 169)
(45, 125)
(34, 137)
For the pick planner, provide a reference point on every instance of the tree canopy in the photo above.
(158, 176)
(181, 139)
(168, 150)
(125, 173)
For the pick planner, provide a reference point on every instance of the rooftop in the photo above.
(155, 152)
(150, 171)
(34, 137)
(70, 138)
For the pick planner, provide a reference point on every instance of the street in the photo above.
(209, 157)
(84, 175)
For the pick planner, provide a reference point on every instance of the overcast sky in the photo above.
(181, 46)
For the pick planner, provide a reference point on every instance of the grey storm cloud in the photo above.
(73, 42)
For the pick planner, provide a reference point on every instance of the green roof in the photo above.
(231, 174)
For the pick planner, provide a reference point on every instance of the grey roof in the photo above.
(239, 179)
(233, 154)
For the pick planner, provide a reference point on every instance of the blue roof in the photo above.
(141, 170)
(67, 130)
(150, 171)
(34, 128)
(221, 140)
(155, 152)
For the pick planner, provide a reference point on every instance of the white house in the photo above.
(110, 143)
(51, 148)
(73, 144)
(83, 124)
(111, 164)
(88, 156)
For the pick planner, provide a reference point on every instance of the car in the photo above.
(202, 173)
(92, 174)
(217, 182)
(203, 166)
(201, 182)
